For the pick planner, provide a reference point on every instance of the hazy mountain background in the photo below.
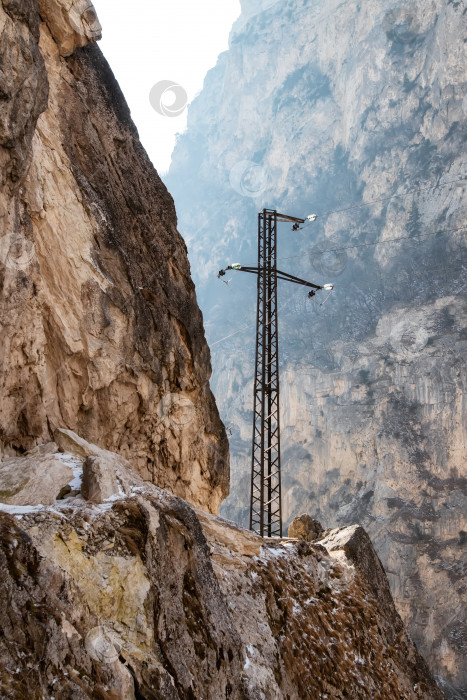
(356, 112)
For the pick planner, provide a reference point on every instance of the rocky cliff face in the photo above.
(323, 107)
(133, 594)
(100, 331)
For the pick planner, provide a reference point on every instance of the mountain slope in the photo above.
(320, 108)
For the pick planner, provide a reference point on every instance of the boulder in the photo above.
(105, 474)
(68, 441)
(304, 527)
(38, 477)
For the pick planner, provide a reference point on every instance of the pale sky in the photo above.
(150, 41)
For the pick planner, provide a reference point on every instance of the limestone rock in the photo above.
(105, 474)
(99, 483)
(138, 598)
(356, 544)
(100, 329)
(68, 441)
(304, 527)
(38, 477)
(356, 112)
(72, 24)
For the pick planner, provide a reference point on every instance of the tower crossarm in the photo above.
(280, 275)
(265, 494)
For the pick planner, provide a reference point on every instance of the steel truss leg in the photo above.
(265, 505)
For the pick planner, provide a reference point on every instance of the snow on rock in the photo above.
(197, 606)
(38, 477)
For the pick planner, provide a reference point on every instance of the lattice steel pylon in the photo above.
(265, 496)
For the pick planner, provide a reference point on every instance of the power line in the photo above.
(405, 276)
(251, 325)
(366, 204)
(365, 245)
(244, 328)
(375, 243)
(386, 199)
(315, 252)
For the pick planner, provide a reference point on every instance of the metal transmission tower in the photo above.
(266, 502)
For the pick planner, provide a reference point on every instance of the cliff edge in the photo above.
(99, 325)
(124, 591)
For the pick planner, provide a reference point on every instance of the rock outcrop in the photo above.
(304, 527)
(100, 331)
(141, 596)
(356, 112)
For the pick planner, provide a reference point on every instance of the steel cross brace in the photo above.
(266, 500)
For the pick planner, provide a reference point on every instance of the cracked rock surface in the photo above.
(100, 331)
(141, 596)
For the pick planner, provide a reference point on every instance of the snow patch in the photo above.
(21, 510)
(272, 551)
(77, 465)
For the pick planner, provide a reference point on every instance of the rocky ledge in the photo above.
(115, 588)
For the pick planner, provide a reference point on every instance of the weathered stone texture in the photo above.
(142, 597)
(100, 331)
(304, 527)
